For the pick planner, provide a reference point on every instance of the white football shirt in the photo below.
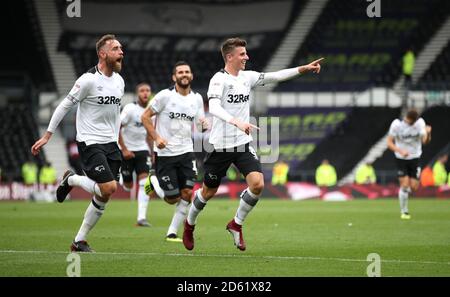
(408, 137)
(234, 93)
(98, 114)
(133, 131)
(175, 115)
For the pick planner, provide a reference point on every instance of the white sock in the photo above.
(143, 200)
(91, 217)
(181, 211)
(248, 201)
(196, 207)
(403, 194)
(155, 184)
(86, 183)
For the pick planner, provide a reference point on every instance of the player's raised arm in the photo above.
(290, 73)
(146, 119)
(76, 94)
(60, 112)
(427, 137)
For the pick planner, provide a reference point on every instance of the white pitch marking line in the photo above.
(224, 256)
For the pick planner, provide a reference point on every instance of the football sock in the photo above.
(155, 184)
(403, 194)
(246, 204)
(86, 183)
(196, 207)
(181, 210)
(143, 200)
(92, 215)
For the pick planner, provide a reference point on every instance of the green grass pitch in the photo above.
(284, 238)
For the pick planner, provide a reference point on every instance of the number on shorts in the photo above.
(194, 167)
(418, 172)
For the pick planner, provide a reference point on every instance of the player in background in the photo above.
(229, 97)
(176, 109)
(405, 139)
(135, 145)
(98, 94)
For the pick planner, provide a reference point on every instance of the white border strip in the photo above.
(225, 256)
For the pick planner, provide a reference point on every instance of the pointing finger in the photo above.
(317, 61)
(253, 126)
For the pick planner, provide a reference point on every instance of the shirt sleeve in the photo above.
(77, 94)
(59, 113)
(125, 115)
(256, 78)
(393, 129)
(158, 102)
(422, 127)
(216, 109)
(215, 89)
(261, 78)
(201, 109)
(200, 113)
(80, 89)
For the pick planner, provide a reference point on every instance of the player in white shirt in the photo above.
(229, 97)
(98, 94)
(405, 139)
(176, 109)
(135, 145)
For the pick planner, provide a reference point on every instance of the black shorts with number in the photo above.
(140, 164)
(409, 168)
(217, 162)
(176, 173)
(100, 162)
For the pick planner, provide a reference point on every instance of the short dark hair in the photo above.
(103, 40)
(412, 115)
(230, 44)
(179, 63)
(141, 85)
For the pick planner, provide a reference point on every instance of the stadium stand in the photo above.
(19, 132)
(438, 75)
(149, 56)
(349, 142)
(25, 56)
(436, 116)
(361, 52)
(24, 72)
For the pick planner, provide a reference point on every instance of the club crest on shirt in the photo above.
(100, 88)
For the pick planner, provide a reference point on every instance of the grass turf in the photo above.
(284, 238)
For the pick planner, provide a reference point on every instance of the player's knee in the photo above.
(208, 193)
(108, 189)
(186, 194)
(257, 186)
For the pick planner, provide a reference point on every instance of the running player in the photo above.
(135, 145)
(176, 109)
(98, 94)
(229, 97)
(405, 139)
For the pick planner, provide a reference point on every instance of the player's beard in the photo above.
(114, 64)
(143, 102)
(183, 85)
